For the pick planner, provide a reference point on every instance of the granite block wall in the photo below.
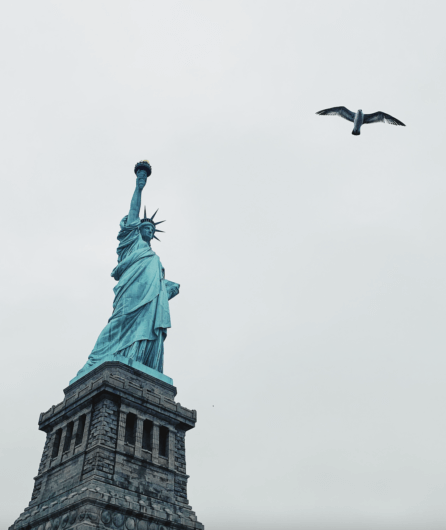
(114, 457)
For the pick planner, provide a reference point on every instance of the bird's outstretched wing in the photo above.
(338, 111)
(382, 117)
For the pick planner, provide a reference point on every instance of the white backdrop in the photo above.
(309, 331)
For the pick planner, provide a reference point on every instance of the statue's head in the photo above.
(148, 227)
(147, 231)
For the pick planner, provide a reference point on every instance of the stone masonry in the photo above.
(114, 457)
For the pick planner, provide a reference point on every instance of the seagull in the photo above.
(358, 118)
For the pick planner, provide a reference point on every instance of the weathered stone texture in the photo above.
(97, 472)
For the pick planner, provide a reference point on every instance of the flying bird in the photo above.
(359, 118)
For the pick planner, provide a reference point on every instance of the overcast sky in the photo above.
(309, 332)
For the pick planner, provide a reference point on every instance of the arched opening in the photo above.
(130, 429)
(147, 430)
(164, 442)
(68, 437)
(56, 445)
(80, 430)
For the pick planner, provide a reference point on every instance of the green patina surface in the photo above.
(138, 326)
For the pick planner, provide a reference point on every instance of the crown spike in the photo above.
(159, 222)
(156, 238)
(145, 214)
(154, 214)
(159, 231)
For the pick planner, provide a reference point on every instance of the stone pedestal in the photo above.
(114, 457)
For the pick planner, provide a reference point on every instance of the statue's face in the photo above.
(147, 231)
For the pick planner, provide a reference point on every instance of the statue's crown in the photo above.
(144, 164)
(151, 221)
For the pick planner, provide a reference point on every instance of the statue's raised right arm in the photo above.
(135, 205)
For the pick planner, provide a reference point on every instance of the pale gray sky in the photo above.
(309, 333)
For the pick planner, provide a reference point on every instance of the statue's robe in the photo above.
(138, 325)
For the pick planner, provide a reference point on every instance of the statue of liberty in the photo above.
(138, 326)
